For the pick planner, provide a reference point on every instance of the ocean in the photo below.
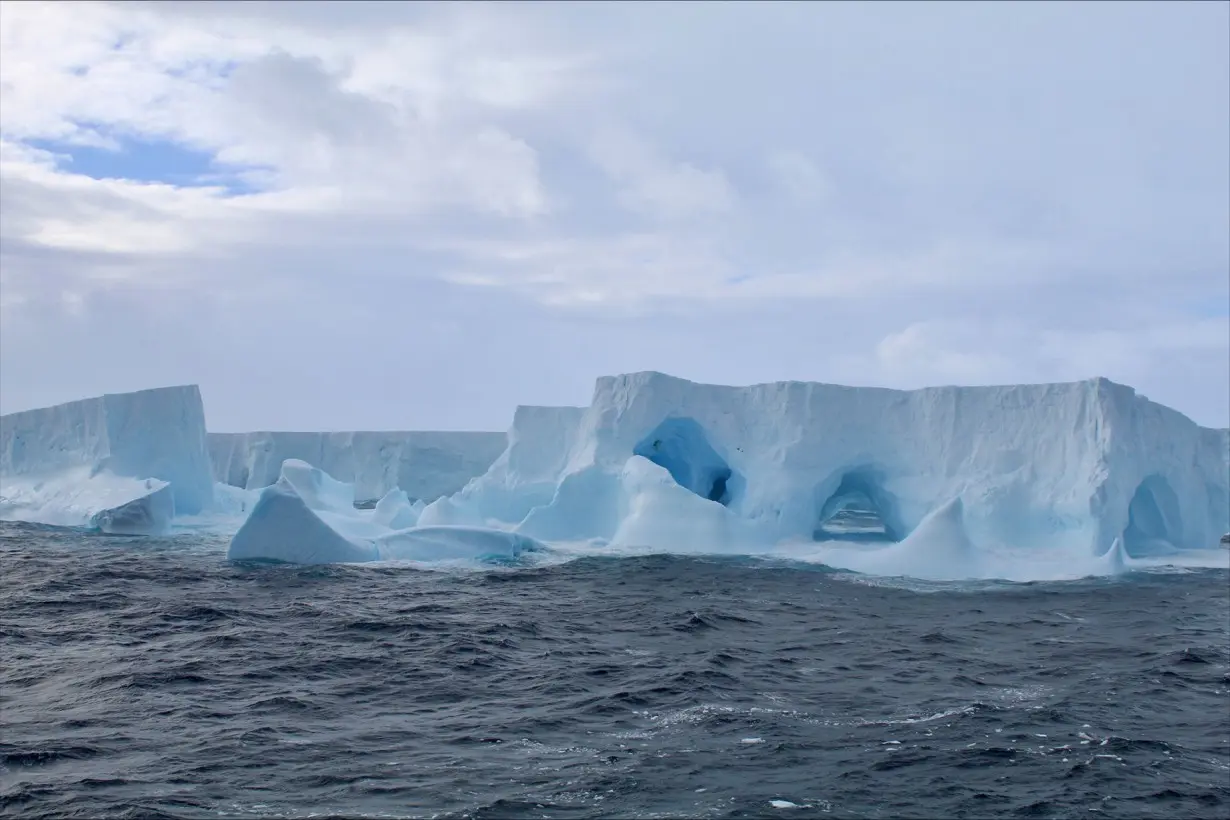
(145, 677)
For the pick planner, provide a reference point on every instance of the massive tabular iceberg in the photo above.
(660, 462)
(946, 479)
(426, 465)
(125, 463)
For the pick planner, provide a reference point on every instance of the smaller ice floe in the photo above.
(308, 517)
(151, 514)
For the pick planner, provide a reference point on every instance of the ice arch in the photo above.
(859, 509)
(1154, 523)
(679, 445)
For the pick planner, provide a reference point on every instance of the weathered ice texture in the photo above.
(661, 461)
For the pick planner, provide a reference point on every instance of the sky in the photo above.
(418, 216)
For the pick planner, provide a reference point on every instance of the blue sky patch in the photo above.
(145, 160)
(1213, 309)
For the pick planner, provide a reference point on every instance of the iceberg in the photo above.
(121, 463)
(309, 517)
(950, 473)
(941, 483)
(426, 465)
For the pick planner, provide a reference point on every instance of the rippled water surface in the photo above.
(149, 678)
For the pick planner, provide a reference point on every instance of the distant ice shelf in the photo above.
(426, 465)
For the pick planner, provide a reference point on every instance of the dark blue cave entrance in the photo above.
(858, 510)
(679, 445)
(1154, 525)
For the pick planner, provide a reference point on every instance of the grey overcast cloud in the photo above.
(417, 216)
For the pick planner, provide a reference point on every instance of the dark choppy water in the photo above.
(150, 678)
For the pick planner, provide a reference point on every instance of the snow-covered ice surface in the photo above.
(1024, 483)
(425, 465)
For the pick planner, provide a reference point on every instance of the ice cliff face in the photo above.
(124, 462)
(1079, 463)
(426, 465)
(525, 476)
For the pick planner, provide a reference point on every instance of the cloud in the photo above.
(639, 270)
(1012, 351)
(798, 177)
(653, 186)
(384, 122)
(734, 192)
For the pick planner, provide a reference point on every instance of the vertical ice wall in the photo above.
(524, 476)
(123, 463)
(150, 434)
(1168, 479)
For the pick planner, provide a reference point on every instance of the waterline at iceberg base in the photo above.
(1057, 480)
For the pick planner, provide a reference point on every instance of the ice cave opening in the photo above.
(1154, 525)
(860, 509)
(679, 445)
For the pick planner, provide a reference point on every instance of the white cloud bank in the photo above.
(417, 215)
